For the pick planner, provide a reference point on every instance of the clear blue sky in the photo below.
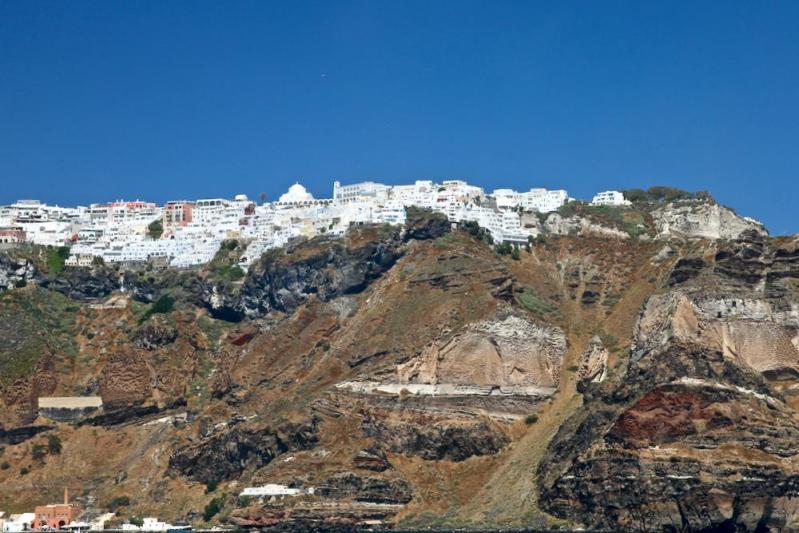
(163, 100)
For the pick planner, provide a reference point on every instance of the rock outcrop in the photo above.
(225, 455)
(593, 364)
(556, 224)
(438, 440)
(372, 458)
(83, 284)
(282, 283)
(369, 489)
(702, 220)
(153, 335)
(425, 225)
(508, 351)
(15, 272)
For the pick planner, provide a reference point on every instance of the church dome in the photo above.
(296, 193)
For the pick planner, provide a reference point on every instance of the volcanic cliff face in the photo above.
(701, 429)
(631, 369)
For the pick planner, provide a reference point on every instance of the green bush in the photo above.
(503, 248)
(211, 486)
(5, 465)
(119, 501)
(24, 471)
(532, 302)
(231, 272)
(530, 419)
(664, 194)
(445, 240)
(38, 452)
(54, 444)
(136, 521)
(56, 258)
(211, 510)
(163, 305)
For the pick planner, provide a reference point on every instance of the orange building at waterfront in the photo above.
(56, 515)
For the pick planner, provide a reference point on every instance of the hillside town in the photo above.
(185, 233)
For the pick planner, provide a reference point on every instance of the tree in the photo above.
(635, 195)
(514, 254)
(155, 229)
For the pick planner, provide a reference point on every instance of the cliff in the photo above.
(633, 369)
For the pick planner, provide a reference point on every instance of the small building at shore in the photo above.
(56, 515)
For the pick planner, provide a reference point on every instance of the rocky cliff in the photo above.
(700, 429)
(632, 369)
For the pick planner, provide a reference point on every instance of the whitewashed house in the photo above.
(19, 522)
(615, 198)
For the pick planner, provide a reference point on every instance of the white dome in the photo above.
(296, 193)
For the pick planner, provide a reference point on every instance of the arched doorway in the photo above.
(61, 524)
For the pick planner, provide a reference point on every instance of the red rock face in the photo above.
(668, 414)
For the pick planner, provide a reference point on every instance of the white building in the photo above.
(272, 489)
(540, 200)
(420, 194)
(18, 522)
(364, 191)
(610, 198)
(298, 197)
(47, 232)
(545, 201)
(150, 524)
(79, 260)
(194, 229)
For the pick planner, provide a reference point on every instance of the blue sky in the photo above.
(163, 100)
